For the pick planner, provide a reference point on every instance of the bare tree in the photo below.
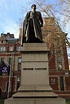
(57, 9)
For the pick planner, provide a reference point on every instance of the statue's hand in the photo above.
(41, 25)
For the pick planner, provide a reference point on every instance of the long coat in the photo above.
(32, 27)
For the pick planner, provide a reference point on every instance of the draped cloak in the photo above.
(32, 27)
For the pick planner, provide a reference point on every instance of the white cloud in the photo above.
(65, 25)
(12, 27)
(67, 29)
(13, 30)
(10, 12)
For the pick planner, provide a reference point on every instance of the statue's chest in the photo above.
(34, 15)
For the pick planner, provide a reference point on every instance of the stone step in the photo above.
(35, 95)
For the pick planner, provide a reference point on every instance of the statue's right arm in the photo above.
(25, 23)
(25, 27)
(27, 17)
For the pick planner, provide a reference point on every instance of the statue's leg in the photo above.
(31, 37)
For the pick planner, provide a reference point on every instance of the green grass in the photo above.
(1, 101)
(67, 101)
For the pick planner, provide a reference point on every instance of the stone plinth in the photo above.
(35, 88)
(34, 73)
(35, 101)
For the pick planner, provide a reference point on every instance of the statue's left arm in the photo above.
(23, 40)
(40, 19)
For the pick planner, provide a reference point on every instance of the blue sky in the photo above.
(12, 11)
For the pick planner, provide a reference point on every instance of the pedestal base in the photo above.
(35, 101)
(35, 88)
(35, 95)
(32, 88)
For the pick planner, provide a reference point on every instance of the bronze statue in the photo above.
(32, 26)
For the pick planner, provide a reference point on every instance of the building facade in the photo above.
(59, 75)
(9, 52)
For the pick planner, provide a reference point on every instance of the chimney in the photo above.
(20, 33)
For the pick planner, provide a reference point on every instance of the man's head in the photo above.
(33, 7)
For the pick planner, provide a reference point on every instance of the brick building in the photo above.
(59, 76)
(9, 51)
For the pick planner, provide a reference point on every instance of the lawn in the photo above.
(1, 101)
(67, 101)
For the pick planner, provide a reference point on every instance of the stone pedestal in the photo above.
(35, 101)
(35, 88)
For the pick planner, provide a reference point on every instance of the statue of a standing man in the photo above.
(32, 26)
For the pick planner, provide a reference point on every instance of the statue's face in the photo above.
(33, 8)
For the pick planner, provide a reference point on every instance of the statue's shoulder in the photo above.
(38, 13)
(28, 12)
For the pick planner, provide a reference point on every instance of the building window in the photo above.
(11, 48)
(18, 82)
(59, 61)
(19, 63)
(0, 48)
(19, 60)
(61, 83)
(2, 41)
(19, 48)
(3, 48)
(18, 79)
(59, 66)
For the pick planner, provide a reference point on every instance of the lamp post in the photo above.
(13, 41)
(9, 83)
(9, 78)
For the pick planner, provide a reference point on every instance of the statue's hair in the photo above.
(33, 5)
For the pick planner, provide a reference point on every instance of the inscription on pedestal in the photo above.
(34, 68)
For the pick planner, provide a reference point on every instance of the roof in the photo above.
(8, 35)
(11, 40)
